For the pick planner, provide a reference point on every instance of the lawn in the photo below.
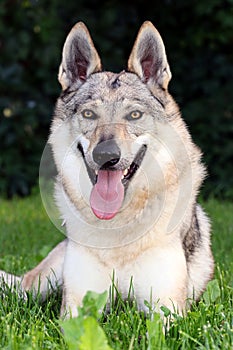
(27, 235)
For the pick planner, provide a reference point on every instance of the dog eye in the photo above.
(87, 113)
(134, 115)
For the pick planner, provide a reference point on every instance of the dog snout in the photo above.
(106, 154)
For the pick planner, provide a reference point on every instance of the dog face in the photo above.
(112, 120)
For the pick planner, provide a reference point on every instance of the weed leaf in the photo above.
(212, 292)
(73, 330)
(93, 337)
(93, 304)
(84, 332)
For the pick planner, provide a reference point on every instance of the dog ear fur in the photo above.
(79, 57)
(148, 57)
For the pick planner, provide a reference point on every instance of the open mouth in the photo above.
(110, 184)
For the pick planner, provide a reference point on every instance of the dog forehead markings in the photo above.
(111, 88)
(113, 81)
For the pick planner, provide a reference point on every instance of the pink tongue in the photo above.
(107, 195)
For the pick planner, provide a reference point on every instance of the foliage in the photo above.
(198, 38)
(84, 332)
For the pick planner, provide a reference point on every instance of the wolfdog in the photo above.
(127, 184)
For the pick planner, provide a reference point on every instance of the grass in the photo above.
(27, 236)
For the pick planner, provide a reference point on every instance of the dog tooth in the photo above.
(125, 172)
(96, 172)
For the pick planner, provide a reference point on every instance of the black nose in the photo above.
(106, 154)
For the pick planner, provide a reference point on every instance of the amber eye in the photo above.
(87, 113)
(134, 115)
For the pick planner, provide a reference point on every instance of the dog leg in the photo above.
(46, 276)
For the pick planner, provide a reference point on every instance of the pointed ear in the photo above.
(148, 57)
(79, 57)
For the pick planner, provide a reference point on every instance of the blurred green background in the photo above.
(199, 40)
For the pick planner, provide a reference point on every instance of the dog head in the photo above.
(108, 125)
